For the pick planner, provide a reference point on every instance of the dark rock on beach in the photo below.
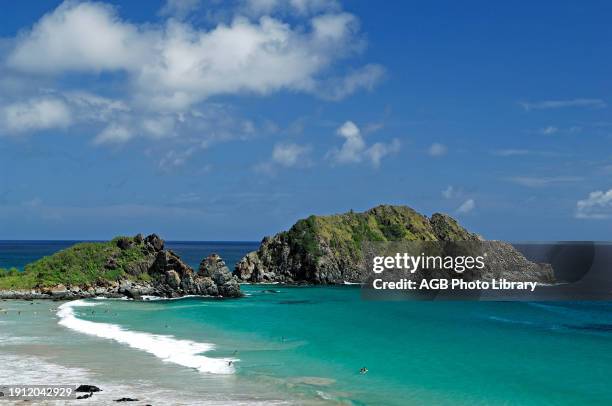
(88, 388)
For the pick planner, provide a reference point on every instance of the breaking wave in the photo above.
(165, 347)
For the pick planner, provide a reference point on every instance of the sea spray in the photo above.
(182, 352)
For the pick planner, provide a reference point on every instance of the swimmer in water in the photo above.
(363, 371)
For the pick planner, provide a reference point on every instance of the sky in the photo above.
(230, 120)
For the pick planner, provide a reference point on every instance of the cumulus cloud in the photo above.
(187, 64)
(41, 113)
(598, 205)
(287, 155)
(355, 150)
(557, 104)
(290, 155)
(81, 37)
(167, 72)
(467, 206)
(437, 150)
(354, 145)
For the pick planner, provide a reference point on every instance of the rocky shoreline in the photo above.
(154, 271)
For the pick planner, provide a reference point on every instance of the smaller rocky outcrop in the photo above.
(214, 267)
(126, 266)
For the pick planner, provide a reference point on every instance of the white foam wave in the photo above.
(111, 298)
(182, 352)
(155, 298)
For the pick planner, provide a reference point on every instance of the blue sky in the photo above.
(210, 120)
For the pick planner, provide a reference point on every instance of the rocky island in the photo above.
(329, 249)
(123, 267)
(316, 250)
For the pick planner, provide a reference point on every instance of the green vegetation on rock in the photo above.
(82, 264)
(328, 249)
(345, 233)
(123, 267)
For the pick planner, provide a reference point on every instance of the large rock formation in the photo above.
(126, 266)
(329, 249)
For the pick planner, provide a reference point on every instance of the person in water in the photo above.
(363, 371)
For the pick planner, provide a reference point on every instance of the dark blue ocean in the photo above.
(20, 253)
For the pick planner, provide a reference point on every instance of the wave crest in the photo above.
(165, 347)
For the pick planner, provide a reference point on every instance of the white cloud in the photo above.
(533, 181)
(557, 104)
(159, 127)
(92, 107)
(380, 150)
(522, 152)
(290, 155)
(354, 145)
(437, 150)
(114, 134)
(355, 150)
(174, 159)
(598, 205)
(187, 64)
(41, 113)
(449, 192)
(512, 152)
(80, 37)
(550, 130)
(365, 78)
(163, 73)
(467, 206)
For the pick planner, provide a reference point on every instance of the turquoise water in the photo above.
(434, 352)
(306, 345)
